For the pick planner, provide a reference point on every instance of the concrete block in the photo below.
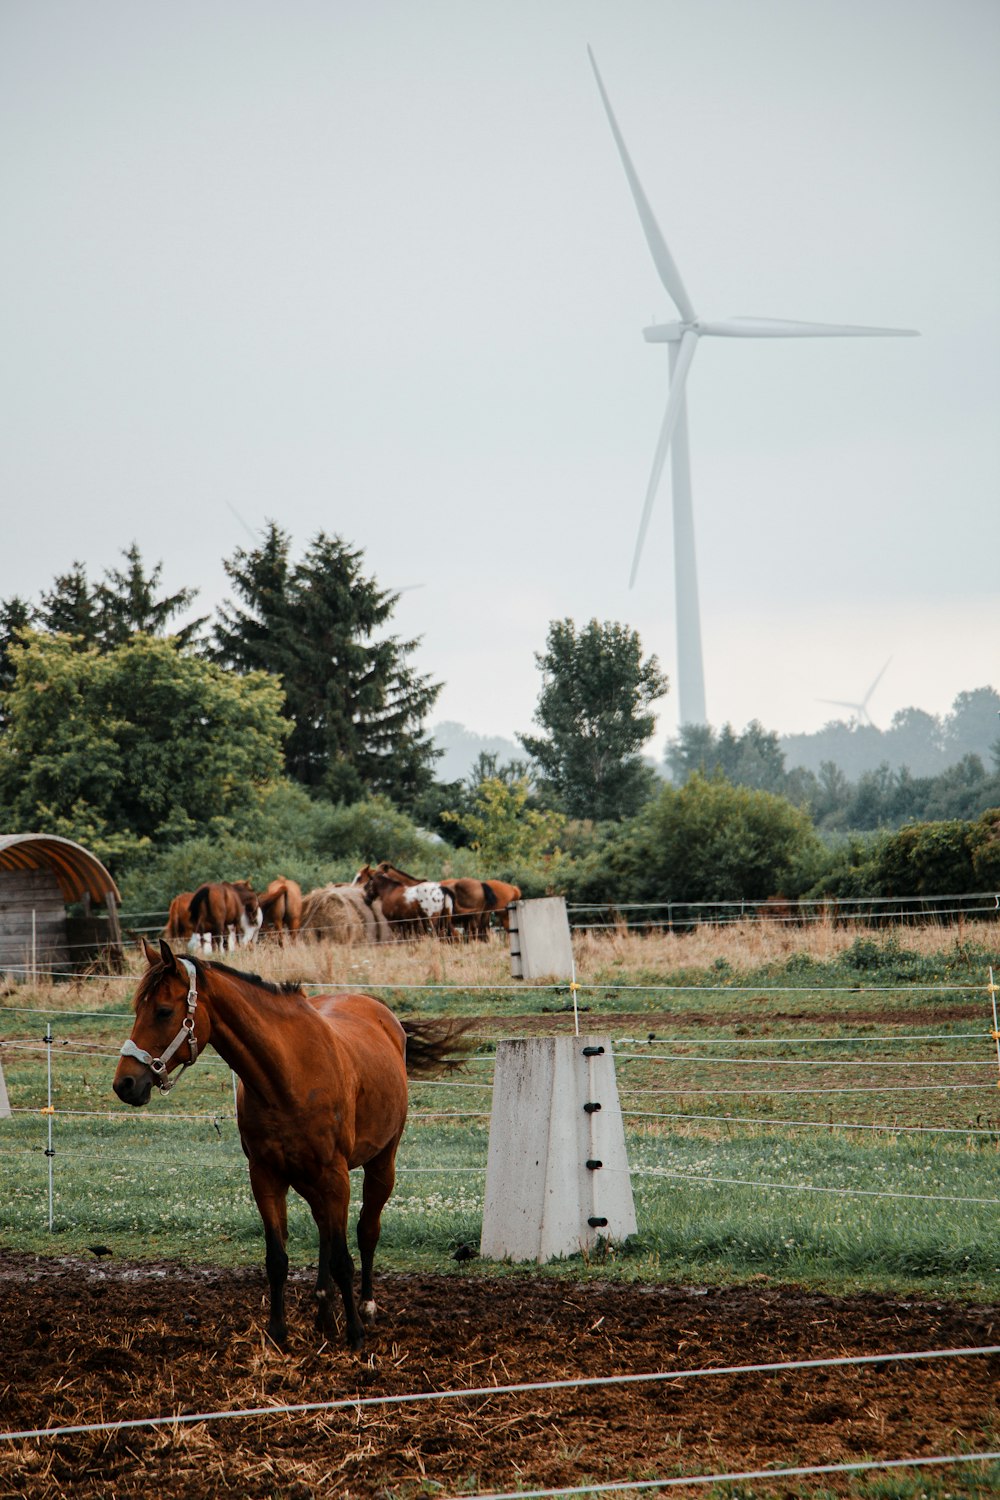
(557, 1174)
(540, 942)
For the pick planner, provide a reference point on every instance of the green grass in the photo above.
(148, 1185)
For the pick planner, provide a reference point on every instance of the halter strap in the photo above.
(158, 1065)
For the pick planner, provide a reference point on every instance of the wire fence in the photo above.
(681, 1071)
(650, 1069)
(669, 916)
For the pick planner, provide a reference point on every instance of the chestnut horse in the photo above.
(179, 926)
(410, 908)
(223, 907)
(475, 900)
(281, 907)
(322, 1089)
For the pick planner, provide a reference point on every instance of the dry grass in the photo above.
(600, 958)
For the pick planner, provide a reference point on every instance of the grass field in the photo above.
(803, 1104)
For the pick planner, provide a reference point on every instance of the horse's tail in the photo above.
(435, 1046)
(490, 895)
(198, 901)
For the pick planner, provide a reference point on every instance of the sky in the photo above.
(372, 268)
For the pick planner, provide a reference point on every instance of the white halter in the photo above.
(158, 1065)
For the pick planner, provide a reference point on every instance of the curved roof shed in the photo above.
(78, 872)
(40, 875)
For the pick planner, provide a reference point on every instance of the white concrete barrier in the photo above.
(541, 946)
(557, 1174)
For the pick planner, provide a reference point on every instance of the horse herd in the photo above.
(224, 914)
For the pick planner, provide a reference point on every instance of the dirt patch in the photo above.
(653, 1024)
(85, 1341)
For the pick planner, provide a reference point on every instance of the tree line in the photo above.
(288, 734)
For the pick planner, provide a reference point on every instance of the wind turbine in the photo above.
(682, 340)
(861, 709)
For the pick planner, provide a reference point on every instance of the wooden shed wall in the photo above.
(23, 893)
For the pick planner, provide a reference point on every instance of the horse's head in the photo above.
(170, 1027)
(363, 876)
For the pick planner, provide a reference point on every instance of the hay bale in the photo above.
(340, 914)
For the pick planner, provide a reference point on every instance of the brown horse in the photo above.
(413, 908)
(504, 895)
(180, 928)
(224, 907)
(475, 900)
(323, 1089)
(281, 907)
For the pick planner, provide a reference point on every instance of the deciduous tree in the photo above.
(593, 707)
(143, 742)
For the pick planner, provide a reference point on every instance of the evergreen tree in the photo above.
(254, 637)
(596, 691)
(126, 604)
(107, 614)
(357, 705)
(70, 607)
(16, 614)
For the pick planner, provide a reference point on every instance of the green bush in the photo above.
(290, 834)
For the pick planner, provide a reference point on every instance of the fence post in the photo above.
(557, 1174)
(49, 1111)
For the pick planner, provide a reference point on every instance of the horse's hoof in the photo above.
(279, 1338)
(367, 1311)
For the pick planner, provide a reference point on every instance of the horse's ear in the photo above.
(152, 954)
(167, 955)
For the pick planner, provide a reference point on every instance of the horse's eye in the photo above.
(164, 1012)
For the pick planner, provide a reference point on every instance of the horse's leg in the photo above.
(380, 1176)
(328, 1201)
(271, 1197)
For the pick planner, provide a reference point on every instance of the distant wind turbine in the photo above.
(860, 709)
(682, 341)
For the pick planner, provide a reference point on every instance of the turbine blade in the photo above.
(783, 328)
(875, 684)
(675, 401)
(662, 259)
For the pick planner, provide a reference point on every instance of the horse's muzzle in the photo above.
(132, 1089)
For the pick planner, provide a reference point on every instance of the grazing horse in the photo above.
(323, 1088)
(424, 906)
(504, 895)
(475, 900)
(223, 907)
(281, 907)
(179, 926)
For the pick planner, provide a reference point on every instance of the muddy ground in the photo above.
(83, 1340)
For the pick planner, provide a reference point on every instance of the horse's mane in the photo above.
(152, 977)
(286, 986)
(386, 866)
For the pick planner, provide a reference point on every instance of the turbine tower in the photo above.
(682, 340)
